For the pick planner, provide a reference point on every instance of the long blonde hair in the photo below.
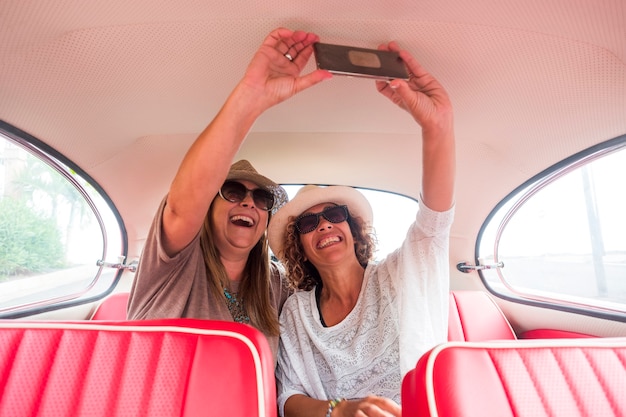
(255, 286)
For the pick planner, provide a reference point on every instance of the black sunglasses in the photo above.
(308, 222)
(236, 192)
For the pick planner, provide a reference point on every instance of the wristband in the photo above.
(332, 404)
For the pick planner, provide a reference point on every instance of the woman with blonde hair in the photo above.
(206, 253)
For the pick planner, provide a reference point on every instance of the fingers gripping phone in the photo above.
(359, 62)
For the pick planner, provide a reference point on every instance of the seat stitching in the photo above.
(600, 378)
(503, 383)
(11, 354)
(565, 371)
(533, 377)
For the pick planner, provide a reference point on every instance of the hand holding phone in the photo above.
(359, 62)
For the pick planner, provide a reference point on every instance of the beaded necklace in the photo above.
(236, 307)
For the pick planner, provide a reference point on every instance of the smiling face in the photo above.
(237, 227)
(329, 243)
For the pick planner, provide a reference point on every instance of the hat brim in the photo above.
(308, 197)
(280, 195)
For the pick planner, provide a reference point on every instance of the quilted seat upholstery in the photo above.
(556, 378)
(175, 367)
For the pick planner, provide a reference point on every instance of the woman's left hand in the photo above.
(421, 95)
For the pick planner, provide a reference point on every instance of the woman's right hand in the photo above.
(274, 77)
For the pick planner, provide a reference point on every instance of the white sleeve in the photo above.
(291, 369)
(420, 271)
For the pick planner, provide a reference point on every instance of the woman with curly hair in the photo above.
(356, 326)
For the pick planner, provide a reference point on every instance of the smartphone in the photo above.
(359, 62)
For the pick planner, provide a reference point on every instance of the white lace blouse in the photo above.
(402, 311)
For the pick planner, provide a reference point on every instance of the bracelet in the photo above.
(332, 404)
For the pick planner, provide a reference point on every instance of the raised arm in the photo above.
(428, 102)
(271, 77)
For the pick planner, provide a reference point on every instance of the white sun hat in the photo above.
(312, 195)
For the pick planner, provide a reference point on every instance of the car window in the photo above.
(561, 237)
(55, 227)
(393, 214)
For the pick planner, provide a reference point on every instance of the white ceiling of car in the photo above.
(123, 87)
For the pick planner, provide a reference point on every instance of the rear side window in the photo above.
(55, 227)
(561, 238)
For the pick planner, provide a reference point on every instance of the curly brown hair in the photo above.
(301, 273)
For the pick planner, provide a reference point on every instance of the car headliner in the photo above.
(122, 88)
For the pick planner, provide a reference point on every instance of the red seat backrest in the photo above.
(475, 317)
(174, 367)
(557, 378)
(112, 307)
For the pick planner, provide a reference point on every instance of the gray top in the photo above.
(178, 286)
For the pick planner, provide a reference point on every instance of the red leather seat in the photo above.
(112, 307)
(474, 317)
(557, 378)
(175, 367)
